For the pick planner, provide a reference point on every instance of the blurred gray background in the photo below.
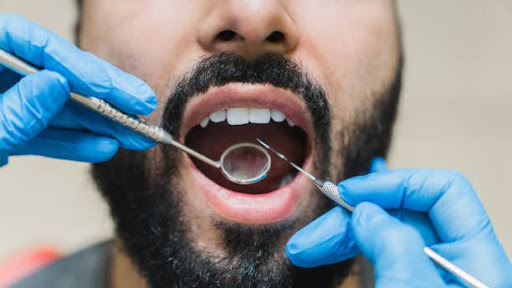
(455, 114)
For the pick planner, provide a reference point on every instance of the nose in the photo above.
(248, 27)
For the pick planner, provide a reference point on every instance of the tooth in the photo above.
(204, 123)
(238, 116)
(277, 115)
(287, 179)
(218, 116)
(259, 115)
(290, 122)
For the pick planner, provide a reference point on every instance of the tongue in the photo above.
(213, 140)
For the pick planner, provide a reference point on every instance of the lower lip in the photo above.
(255, 209)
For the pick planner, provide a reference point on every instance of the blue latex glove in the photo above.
(35, 117)
(430, 207)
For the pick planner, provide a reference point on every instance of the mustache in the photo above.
(227, 67)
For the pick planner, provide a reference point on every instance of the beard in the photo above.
(146, 207)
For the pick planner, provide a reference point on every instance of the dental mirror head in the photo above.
(242, 163)
(245, 163)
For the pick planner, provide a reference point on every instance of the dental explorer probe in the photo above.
(330, 190)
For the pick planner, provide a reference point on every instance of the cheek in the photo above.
(354, 50)
(148, 41)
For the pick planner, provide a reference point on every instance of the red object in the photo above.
(26, 263)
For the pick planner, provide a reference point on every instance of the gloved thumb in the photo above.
(324, 241)
(27, 108)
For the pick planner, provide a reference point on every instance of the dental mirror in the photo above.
(245, 163)
(242, 163)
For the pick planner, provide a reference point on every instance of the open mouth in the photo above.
(239, 113)
(226, 127)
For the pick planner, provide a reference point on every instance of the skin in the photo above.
(351, 48)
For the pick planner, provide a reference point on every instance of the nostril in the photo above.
(226, 35)
(276, 37)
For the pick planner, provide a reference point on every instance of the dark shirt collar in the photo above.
(89, 268)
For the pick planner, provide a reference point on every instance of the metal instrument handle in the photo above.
(151, 131)
(330, 190)
(103, 108)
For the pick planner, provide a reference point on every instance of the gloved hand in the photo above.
(430, 207)
(35, 117)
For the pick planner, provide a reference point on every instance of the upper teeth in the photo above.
(260, 116)
(218, 116)
(241, 116)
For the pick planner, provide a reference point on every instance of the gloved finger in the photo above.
(394, 249)
(378, 165)
(27, 108)
(74, 116)
(87, 74)
(328, 240)
(70, 145)
(324, 241)
(447, 197)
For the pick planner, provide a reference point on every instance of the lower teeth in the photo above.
(287, 179)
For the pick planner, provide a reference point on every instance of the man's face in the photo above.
(331, 67)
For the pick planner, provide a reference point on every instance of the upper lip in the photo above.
(243, 95)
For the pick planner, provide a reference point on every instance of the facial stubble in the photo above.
(153, 227)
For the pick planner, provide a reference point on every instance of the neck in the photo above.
(125, 274)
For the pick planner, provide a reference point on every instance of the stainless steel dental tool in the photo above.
(330, 190)
(243, 163)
